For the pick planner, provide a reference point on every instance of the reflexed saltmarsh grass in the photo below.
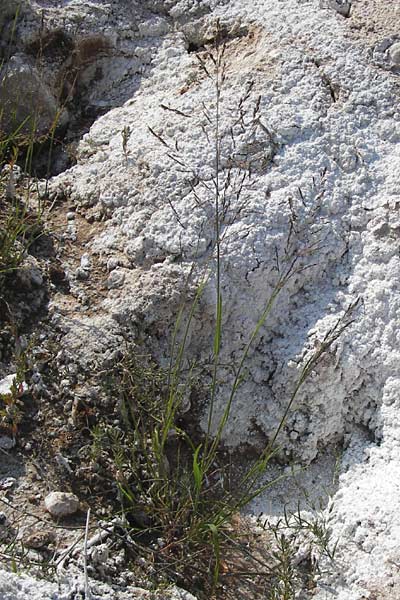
(177, 501)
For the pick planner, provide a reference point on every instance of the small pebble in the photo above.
(85, 261)
(112, 264)
(82, 274)
(61, 504)
(6, 443)
(115, 279)
(394, 53)
(7, 482)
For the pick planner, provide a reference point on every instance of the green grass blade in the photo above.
(197, 471)
(218, 326)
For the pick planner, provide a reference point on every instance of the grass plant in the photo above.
(174, 486)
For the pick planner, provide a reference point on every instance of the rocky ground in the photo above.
(309, 131)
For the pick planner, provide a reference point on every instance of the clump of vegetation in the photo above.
(17, 228)
(177, 499)
(19, 225)
(177, 496)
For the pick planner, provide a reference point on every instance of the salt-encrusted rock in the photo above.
(394, 53)
(26, 587)
(343, 7)
(115, 279)
(301, 153)
(61, 504)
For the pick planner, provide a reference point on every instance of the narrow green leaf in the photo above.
(218, 326)
(215, 543)
(197, 471)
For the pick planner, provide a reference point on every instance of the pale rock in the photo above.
(112, 263)
(7, 483)
(86, 263)
(61, 504)
(115, 279)
(394, 53)
(26, 587)
(28, 104)
(83, 271)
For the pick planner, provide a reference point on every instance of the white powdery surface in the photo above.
(330, 114)
(366, 527)
(23, 587)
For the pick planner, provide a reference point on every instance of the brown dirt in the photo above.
(373, 20)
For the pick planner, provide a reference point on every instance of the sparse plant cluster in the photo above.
(175, 488)
(20, 225)
(174, 483)
(11, 406)
(13, 232)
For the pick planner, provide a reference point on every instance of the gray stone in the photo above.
(9, 9)
(343, 7)
(115, 279)
(61, 504)
(82, 274)
(28, 104)
(394, 53)
(6, 443)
